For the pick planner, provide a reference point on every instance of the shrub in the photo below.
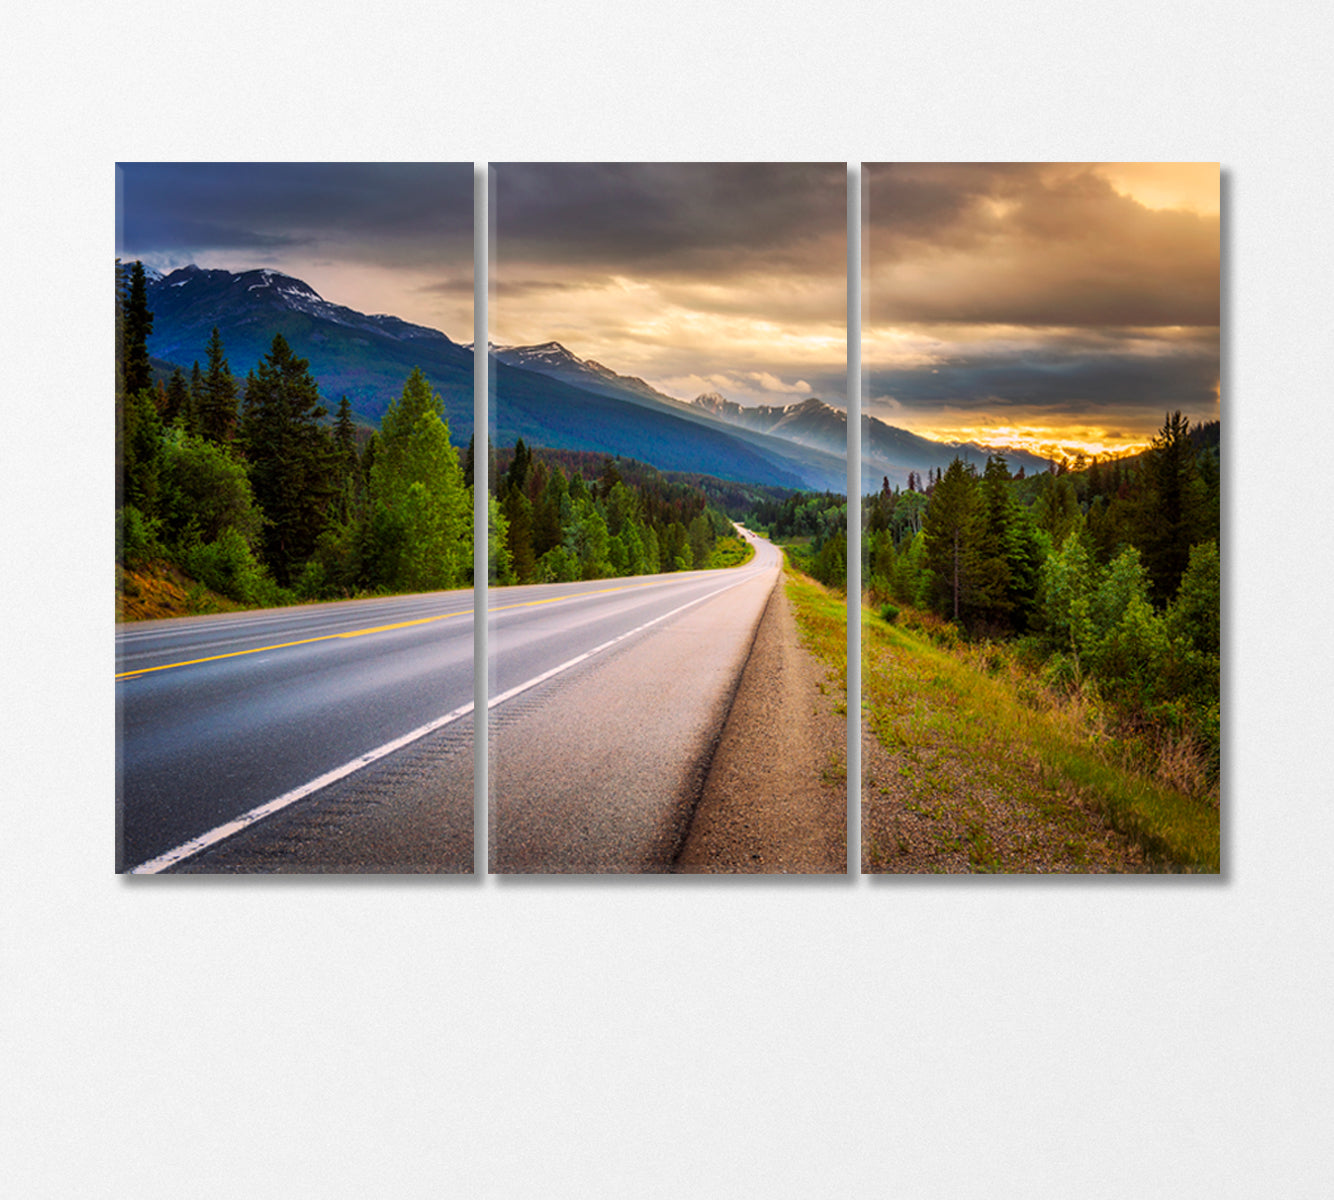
(888, 613)
(136, 537)
(228, 566)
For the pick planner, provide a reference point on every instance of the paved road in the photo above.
(598, 768)
(218, 715)
(606, 699)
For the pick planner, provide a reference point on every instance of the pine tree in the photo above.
(1170, 516)
(217, 409)
(418, 480)
(177, 404)
(519, 516)
(134, 325)
(196, 397)
(291, 457)
(949, 527)
(991, 599)
(345, 436)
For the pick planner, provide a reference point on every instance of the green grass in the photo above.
(928, 700)
(822, 619)
(731, 552)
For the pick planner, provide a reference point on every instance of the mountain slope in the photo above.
(544, 393)
(366, 358)
(887, 451)
(823, 467)
(549, 412)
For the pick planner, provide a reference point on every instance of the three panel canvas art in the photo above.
(653, 473)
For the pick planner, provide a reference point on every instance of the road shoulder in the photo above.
(775, 797)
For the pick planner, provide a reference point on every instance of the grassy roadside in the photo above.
(974, 767)
(157, 589)
(822, 618)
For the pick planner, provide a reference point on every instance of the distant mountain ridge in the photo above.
(887, 451)
(366, 358)
(551, 358)
(544, 393)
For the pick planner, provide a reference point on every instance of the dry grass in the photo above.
(157, 589)
(977, 766)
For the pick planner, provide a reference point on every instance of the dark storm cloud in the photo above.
(669, 218)
(530, 287)
(1027, 387)
(389, 213)
(1032, 244)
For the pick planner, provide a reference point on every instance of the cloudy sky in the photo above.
(696, 277)
(1053, 305)
(378, 237)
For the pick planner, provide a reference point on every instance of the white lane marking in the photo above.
(587, 654)
(213, 836)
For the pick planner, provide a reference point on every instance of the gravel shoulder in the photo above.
(775, 796)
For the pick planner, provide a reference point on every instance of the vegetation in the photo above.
(984, 765)
(1097, 582)
(248, 495)
(551, 523)
(812, 527)
(242, 494)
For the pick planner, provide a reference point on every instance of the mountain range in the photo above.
(544, 393)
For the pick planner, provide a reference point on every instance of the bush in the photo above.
(1060, 673)
(204, 490)
(136, 537)
(229, 567)
(888, 613)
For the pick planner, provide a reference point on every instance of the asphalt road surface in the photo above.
(337, 737)
(220, 715)
(598, 768)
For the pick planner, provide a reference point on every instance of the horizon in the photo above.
(1046, 305)
(1019, 440)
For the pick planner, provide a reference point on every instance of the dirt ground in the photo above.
(775, 797)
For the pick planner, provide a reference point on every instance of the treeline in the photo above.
(249, 489)
(815, 527)
(625, 518)
(1108, 572)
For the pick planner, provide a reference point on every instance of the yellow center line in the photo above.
(352, 633)
(326, 637)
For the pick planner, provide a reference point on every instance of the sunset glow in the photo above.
(695, 277)
(1053, 307)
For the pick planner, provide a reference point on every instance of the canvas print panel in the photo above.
(1041, 537)
(294, 632)
(667, 661)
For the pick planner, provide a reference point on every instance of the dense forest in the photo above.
(813, 526)
(247, 488)
(624, 518)
(1104, 574)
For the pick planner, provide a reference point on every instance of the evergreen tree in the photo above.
(345, 438)
(547, 512)
(217, 406)
(417, 478)
(290, 454)
(1170, 516)
(949, 527)
(196, 397)
(517, 475)
(518, 514)
(177, 405)
(133, 326)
